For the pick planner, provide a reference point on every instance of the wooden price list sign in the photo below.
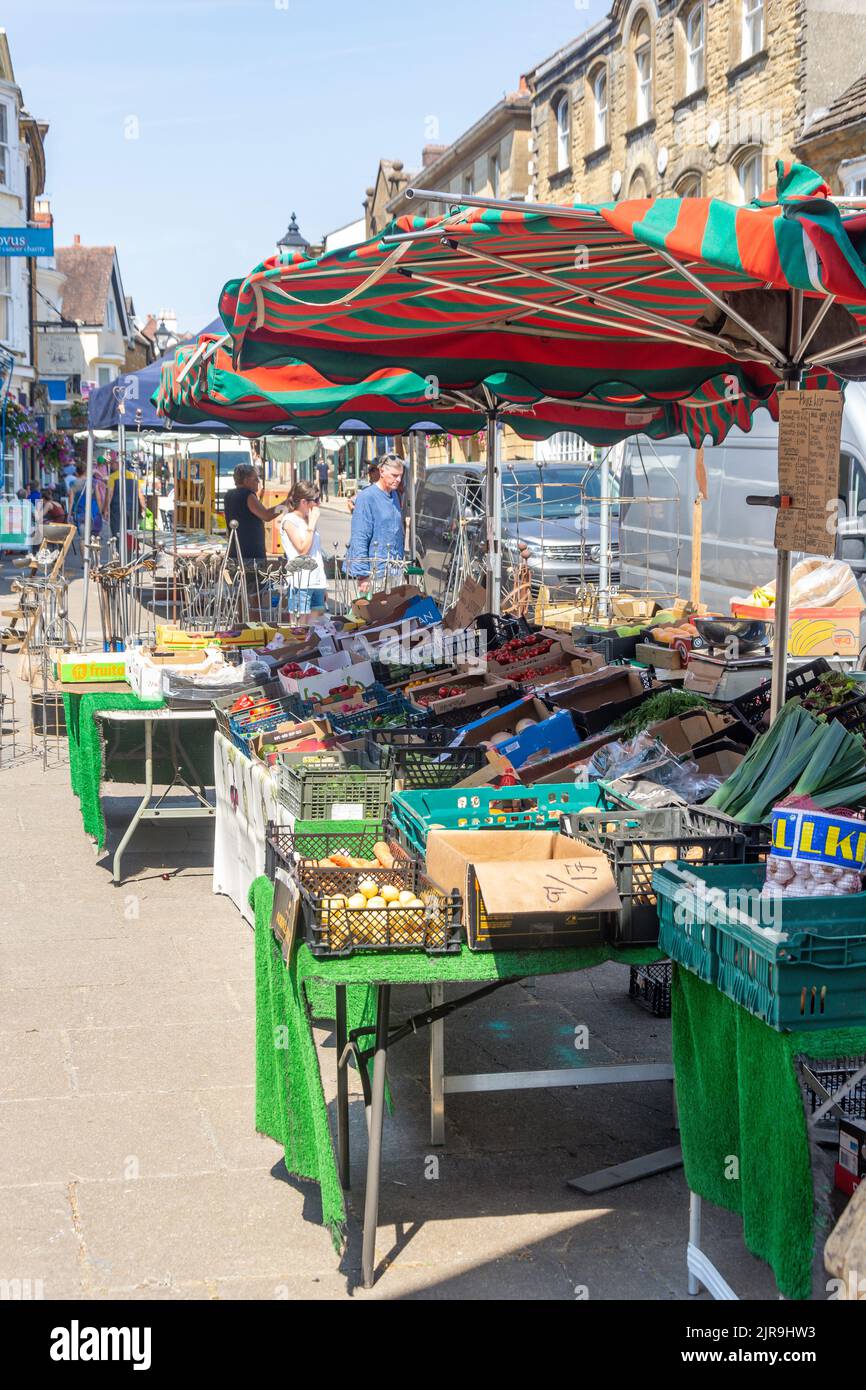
(810, 434)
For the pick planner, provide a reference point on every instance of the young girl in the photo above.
(300, 538)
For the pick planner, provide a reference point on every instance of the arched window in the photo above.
(638, 186)
(750, 176)
(642, 47)
(753, 27)
(693, 26)
(563, 134)
(690, 186)
(599, 97)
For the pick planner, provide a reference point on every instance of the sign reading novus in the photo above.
(26, 241)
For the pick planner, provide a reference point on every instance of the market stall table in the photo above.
(739, 1098)
(116, 737)
(355, 992)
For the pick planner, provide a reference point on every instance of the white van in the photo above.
(737, 552)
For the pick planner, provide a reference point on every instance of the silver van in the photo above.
(737, 551)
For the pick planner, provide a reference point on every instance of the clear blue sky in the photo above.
(247, 110)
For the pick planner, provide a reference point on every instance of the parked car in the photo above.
(737, 550)
(550, 517)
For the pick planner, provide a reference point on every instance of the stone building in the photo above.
(692, 97)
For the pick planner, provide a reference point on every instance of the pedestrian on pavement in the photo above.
(132, 495)
(53, 511)
(323, 477)
(300, 537)
(241, 504)
(376, 542)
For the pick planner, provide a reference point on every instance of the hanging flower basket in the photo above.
(56, 450)
(21, 427)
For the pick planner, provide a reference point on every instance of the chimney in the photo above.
(76, 240)
(431, 153)
(42, 212)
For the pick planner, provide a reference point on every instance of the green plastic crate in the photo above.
(539, 807)
(311, 793)
(798, 964)
(312, 836)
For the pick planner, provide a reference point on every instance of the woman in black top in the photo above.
(241, 504)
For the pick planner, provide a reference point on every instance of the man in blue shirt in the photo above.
(377, 525)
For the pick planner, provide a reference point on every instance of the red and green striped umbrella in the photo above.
(655, 297)
(201, 384)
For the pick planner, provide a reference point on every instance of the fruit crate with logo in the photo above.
(334, 786)
(417, 762)
(796, 963)
(637, 843)
(415, 813)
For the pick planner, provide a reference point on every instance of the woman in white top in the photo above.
(308, 588)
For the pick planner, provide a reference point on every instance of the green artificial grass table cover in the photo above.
(290, 1099)
(92, 760)
(739, 1097)
(87, 750)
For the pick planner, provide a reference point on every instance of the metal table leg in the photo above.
(374, 1152)
(437, 1069)
(342, 1089)
(143, 804)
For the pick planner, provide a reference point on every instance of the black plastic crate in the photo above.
(754, 709)
(650, 986)
(638, 842)
(391, 674)
(499, 699)
(832, 1074)
(336, 930)
(499, 629)
(610, 647)
(416, 765)
(300, 854)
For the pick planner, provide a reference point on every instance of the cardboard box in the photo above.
(553, 735)
(84, 668)
(471, 603)
(831, 631)
(562, 765)
(851, 1165)
(629, 609)
(477, 689)
(685, 731)
(309, 687)
(503, 721)
(525, 889)
(720, 763)
(596, 700)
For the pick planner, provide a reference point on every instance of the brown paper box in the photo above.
(681, 733)
(506, 722)
(471, 603)
(525, 889)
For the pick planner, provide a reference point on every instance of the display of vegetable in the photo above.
(666, 705)
(802, 755)
(832, 690)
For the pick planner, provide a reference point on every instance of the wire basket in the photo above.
(338, 930)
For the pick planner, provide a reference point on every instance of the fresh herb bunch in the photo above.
(666, 705)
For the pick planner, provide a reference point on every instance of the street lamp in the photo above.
(162, 338)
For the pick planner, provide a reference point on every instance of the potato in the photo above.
(369, 887)
(406, 897)
(357, 902)
(390, 893)
(378, 903)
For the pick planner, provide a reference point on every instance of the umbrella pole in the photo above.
(88, 503)
(494, 516)
(793, 377)
(414, 442)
